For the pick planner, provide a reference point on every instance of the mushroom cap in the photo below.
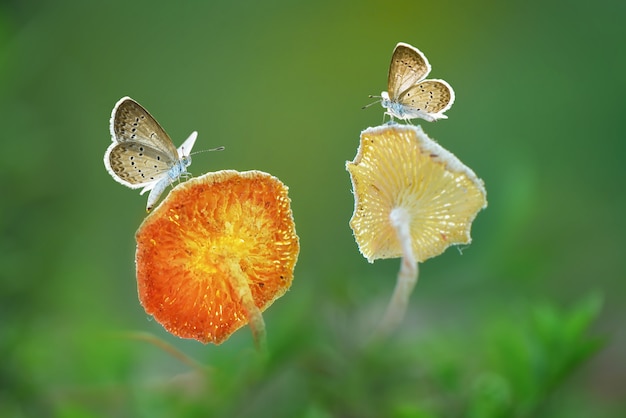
(211, 243)
(399, 166)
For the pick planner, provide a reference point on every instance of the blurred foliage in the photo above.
(514, 369)
(510, 328)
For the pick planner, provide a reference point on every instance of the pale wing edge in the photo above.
(112, 119)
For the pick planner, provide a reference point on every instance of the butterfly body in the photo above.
(173, 174)
(410, 95)
(141, 154)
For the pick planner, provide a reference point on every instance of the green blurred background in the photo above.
(507, 327)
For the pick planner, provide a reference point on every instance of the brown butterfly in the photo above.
(409, 95)
(142, 153)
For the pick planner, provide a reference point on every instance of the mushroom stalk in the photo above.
(407, 276)
(253, 313)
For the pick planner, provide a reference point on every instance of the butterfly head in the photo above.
(385, 101)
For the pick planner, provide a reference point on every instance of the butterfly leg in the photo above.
(186, 175)
(392, 121)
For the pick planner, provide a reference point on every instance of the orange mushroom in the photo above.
(219, 250)
(413, 199)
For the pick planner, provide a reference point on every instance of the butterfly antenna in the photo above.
(207, 150)
(373, 103)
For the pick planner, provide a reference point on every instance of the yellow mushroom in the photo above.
(413, 199)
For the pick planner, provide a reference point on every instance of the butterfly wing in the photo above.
(427, 99)
(185, 149)
(408, 66)
(130, 122)
(136, 165)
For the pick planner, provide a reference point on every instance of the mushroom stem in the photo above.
(253, 313)
(407, 276)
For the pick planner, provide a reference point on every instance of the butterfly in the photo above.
(409, 95)
(142, 153)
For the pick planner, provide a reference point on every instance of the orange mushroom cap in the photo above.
(218, 247)
(400, 167)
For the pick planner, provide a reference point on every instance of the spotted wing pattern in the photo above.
(408, 66)
(130, 122)
(429, 96)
